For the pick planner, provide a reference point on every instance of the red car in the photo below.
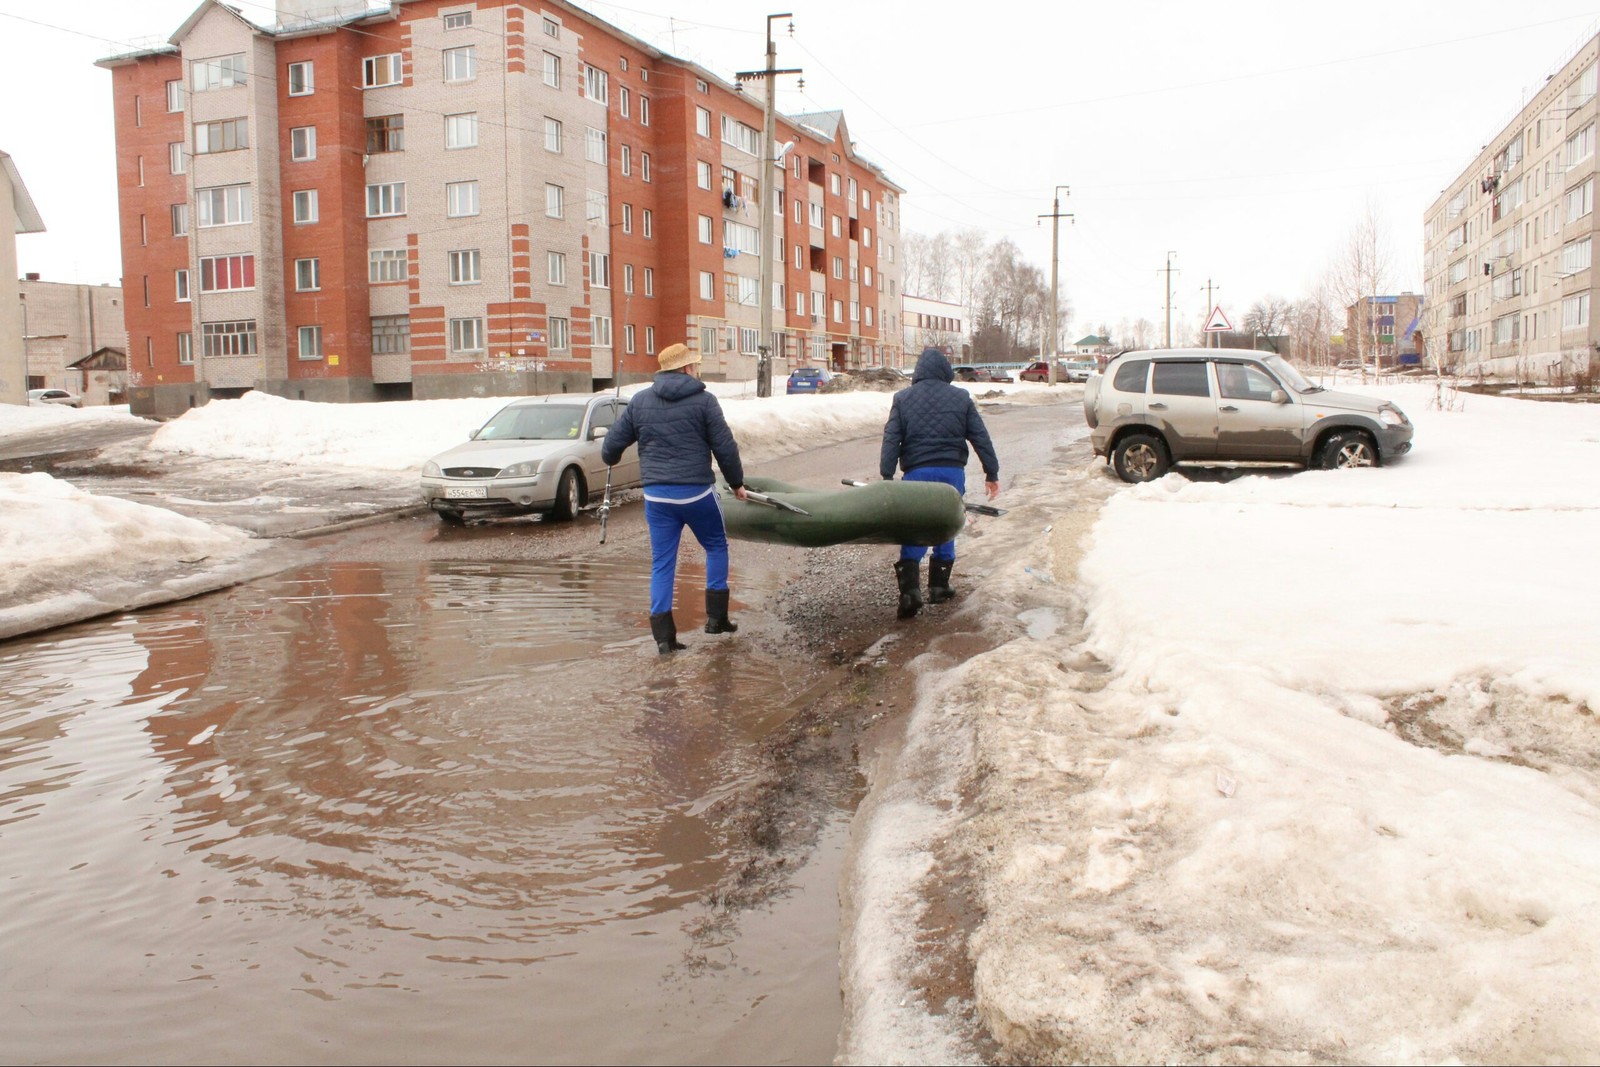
(1040, 372)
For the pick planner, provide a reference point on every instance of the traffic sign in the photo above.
(1218, 322)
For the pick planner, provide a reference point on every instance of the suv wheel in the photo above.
(1349, 448)
(1140, 457)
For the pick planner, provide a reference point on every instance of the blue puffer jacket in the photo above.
(931, 421)
(679, 427)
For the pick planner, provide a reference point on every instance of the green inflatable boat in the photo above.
(877, 513)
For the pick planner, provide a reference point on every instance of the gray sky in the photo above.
(1246, 138)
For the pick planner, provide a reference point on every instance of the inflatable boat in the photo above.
(876, 513)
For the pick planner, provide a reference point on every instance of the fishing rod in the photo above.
(976, 509)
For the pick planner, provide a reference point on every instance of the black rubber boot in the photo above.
(717, 621)
(665, 631)
(939, 581)
(910, 596)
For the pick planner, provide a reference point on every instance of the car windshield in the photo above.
(1291, 377)
(546, 422)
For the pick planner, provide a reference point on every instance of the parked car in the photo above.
(1081, 370)
(540, 454)
(965, 373)
(42, 397)
(1225, 407)
(1040, 371)
(807, 380)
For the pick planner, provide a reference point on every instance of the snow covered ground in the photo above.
(1280, 768)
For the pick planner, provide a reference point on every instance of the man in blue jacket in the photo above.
(679, 427)
(930, 424)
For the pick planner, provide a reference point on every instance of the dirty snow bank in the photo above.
(1316, 777)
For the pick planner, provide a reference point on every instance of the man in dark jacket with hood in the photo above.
(679, 427)
(930, 424)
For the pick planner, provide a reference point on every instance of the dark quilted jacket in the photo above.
(931, 421)
(679, 427)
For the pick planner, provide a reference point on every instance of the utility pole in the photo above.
(1055, 285)
(1209, 306)
(1170, 254)
(766, 201)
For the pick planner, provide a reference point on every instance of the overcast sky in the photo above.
(1244, 138)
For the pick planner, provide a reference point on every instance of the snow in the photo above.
(1280, 767)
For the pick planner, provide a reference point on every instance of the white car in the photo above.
(540, 454)
(38, 398)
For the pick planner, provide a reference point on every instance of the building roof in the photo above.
(103, 358)
(1092, 339)
(28, 220)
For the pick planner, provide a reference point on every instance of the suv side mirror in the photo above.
(472, 434)
(1279, 396)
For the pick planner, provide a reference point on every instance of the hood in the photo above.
(498, 455)
(675, 385)
(1345, 401)
(933, 364)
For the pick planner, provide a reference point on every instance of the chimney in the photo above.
(31, 276)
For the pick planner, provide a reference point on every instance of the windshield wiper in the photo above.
(1313, 389)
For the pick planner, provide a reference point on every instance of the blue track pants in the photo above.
(667, 510)
(955, 476)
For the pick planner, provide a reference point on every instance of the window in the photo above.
(602, 331)
(625, 154)
(740, 136)
(705, 229)
(1242, 381)
(460, 64)
(228, 338)
(307, 275)
(180, 286)
(644, 111)
(596, 84)
(1580, 200)
(627, 338)
(461, 131)
(386, 133)
(627, 218)
(644, 166)
(301, 79)
(552, 28)
(461, 199)
(1580, 146)
(176, 160)
(175, 95)
(465, 267)
(557, 268)
(554, 201)
(224, 205)
(552, 134)
(838, 311)
(742, 236)
(866, 237)
(600, 270)
(1180, 379)
(622, 95)
(597, 206)
(649, 221)
(386, 265)
(702, 121)
(869, 314)
(833, 184)
(1575, 312)
(378, 71)
(560, 334)
(838, 267)
(303, 143)
(466, 335)
(702, 174)
(594, 145)
(305, 205)
(224, 136)
(457, 20)
(835, 226)
(649, 281)
(866, 277)
(627, 278)
(649, 340)
(708, 285)
(391, 334)
(387, 198)
(816, 215)
(221, 274)
(1506, 329)
(799, 301)
(552, 70)
(1575, 256)
(310, 342)
(224, 72)
(747, 291)
(180, 220)
(185, 348)
(1131, 376)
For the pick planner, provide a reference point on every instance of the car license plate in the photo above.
(466, 492)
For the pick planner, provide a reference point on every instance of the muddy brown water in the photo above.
(397, 812)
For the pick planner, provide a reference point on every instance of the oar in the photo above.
(773, 502)
(976, 509)
(605, 507)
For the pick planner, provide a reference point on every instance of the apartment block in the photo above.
(1508, 244)
(929, 323)
(440, 199)
(74, 338)
(1388, 328)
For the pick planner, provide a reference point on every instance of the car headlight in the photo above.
(1391, 416)
(521, 470)
(431, 469)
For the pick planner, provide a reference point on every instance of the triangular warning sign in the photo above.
(1218, 322)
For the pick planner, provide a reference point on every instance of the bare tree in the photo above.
(1141, 335)
(1311, 325)
(1361, 271)
(1268, 318)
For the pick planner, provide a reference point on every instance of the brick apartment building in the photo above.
(1507, 246)
(443, 199)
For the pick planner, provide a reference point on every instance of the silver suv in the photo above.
(1220, 407)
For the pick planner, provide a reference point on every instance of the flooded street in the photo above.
(432, 796)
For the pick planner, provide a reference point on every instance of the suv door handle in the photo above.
(1158, 406)
(1228, 407)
